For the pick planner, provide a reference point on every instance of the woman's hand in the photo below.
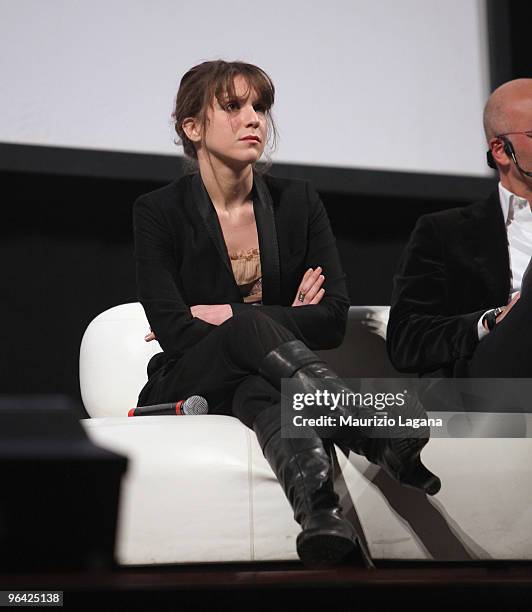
(310, 291)
(215, 314)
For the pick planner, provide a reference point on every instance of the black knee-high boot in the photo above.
(304, 470)
(399, 457)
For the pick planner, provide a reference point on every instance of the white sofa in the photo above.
(199, 490)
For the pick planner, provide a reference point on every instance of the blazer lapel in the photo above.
(210, 218)
(265, 220)
(268, 244)
(486, 233)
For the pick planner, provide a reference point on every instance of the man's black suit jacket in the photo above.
(182, 260)
(454, 268)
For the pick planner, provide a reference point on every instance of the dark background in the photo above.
(66, 244)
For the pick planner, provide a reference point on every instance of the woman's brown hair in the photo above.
(212, 79)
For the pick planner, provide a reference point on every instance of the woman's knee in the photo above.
(249, 336)
(255, 388)
(253, 323)
(252, 396)
(250, 318)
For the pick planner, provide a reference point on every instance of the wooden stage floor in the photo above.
(276, 586)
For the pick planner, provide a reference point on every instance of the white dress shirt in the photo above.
(518, 220)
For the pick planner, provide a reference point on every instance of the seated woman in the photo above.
(240, 278)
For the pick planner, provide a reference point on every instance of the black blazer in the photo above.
(454, 268)
(182, 260)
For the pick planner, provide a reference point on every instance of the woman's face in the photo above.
(236, 131)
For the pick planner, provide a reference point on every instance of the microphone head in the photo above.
(195, 405)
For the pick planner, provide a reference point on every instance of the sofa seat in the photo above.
(199, 490)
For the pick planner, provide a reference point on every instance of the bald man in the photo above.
(461, 302)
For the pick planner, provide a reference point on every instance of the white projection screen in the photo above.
(396, 85)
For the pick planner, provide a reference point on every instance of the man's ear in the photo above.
(192, 128)
(499, 154)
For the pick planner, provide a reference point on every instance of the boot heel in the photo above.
(327, 539)
(421, 477)
(401, 459)
(320, 548)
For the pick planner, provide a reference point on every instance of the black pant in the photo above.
(506, 352)
(223, 368)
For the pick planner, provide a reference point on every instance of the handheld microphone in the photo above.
(194, 405)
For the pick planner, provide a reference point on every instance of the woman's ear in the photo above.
(192, 128)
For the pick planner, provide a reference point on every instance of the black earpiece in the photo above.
(489, 159)
(509, 149)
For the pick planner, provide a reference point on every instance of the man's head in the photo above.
(508, 119)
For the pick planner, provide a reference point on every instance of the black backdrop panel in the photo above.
(67, 254)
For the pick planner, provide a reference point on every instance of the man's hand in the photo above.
(215, 314)
(310, 291)
(508, 307)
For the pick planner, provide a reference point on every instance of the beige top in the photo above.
(242, 241)
(248, 274)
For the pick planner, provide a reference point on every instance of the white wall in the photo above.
(390, 84)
